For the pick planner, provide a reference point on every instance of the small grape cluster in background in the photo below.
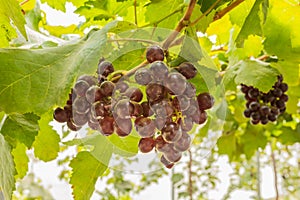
(162, 119)
(264, 107)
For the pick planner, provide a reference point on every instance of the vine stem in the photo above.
(223, 12)
(258, 175)
(2, 121)
(135, 13)
(181, 24)
(133, 70)
(205, 13)
(23, 2)
(275, 173)
(190, 186)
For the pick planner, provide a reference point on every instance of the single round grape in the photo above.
(173, 155)
(255, 115)
(270, 97)
(146, 145)
(247, 113)
(105, 68)
(190, 90)
(160, 122)
(284, 98)
(143, 76)
(183, 143)
(277, 92)
(146, 109)
(107, 88)
(135, 94)
(161, 145)
(264, 120)
(123, 127)
(244, 88)
(79, 119)
(162, 109)
(205, 101)
(253, 93)
(187, 69)
(176, 83)
(171, 132)
(154, 53)
(254, 106)
(72, 126)
(81, 105)
(98, 109)
(145, 127)
(282, 110)
(165, 162)
(121, 86)
(60, 115)
(274, 110)
(93, 94)
(264, 110)
(192, 110)
(280, 104)
(159, 70)
(272, 117)
(284, 87)
(137, 110)
(155, 92)
(91, 80)
(181, 103)
(81, 87)
(124, 109)
(107, 125)
(186, 124)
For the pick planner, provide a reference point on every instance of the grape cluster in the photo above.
(172, 107)
(162, 106)
(264, 107)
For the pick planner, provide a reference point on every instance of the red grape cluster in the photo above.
(162, 118)
(264, 107)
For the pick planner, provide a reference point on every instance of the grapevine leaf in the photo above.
(21, 160)
(252, 24)
(127, 146)
(20, 128)
(190, 49)
(251, 72)
(46, 144)
(10, 10)
(252, 139)
(7, 169)
(56, 4)
(86, 170)
(227, 145)
(36, 80)
(157, 10)
(289, 136)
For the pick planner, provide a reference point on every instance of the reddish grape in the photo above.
(154, 53)
(146, 145)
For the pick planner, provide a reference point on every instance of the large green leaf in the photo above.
(20, 128)
(289, 136)
(88, 166)
(36, 80)
(57, 4)
(7, 169)
(252, 139)
(157, 10)
(227, 145)
(252, 23)
(21, 160)
(10, 10)
(251, 72)
(46, 144)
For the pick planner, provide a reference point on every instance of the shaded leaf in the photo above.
(227, 145)
(36, 80)
(258, 74)
(20, 128)
(7, 169)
